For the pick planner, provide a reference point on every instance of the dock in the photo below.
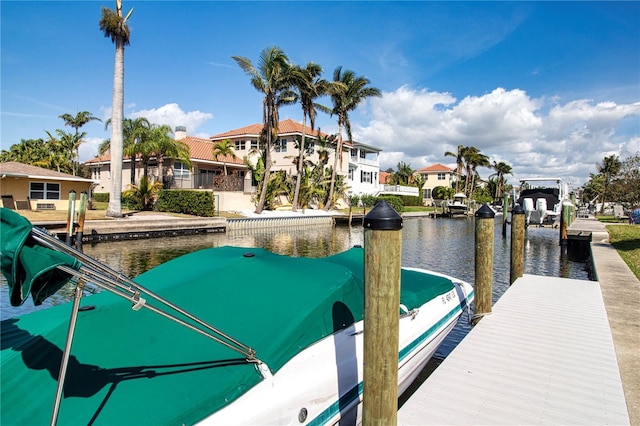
(554, 351)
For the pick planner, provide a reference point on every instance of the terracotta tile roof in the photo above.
(383, 177)
(13, 168)
(200, 149)
(285, 127)
(435, 168)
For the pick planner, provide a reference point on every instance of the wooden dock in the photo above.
(544, 356)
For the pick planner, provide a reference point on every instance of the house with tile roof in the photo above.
(27, 187)
(359, 163)
(435, 175)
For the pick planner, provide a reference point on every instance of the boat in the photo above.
(224, 335)
(458, 205)
(542, 203)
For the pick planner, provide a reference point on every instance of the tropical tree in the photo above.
(115, 26)
(273, 78)
(501, 169)
(28, 151)
(77, 121)
(163, 145)
(143, 194)
(348, 92)
(473, 159)
(609, 168)
(135, 135)
(60, 151)
(224, 147)
(309, 87)
(419, 181)
(459, 156)
(404, 173)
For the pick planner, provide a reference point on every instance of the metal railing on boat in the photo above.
(108, 279)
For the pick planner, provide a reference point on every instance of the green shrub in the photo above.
(411, 200)
(197, 203)
(394, 200)
(101, 197)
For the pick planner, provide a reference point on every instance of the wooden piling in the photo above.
(483, 262)
(382, 257)
(505, 211)
(564, 224)
(517, 243)
(71, 213)
(82, 212)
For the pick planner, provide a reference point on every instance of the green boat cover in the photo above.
(137, 367)
(28, 266)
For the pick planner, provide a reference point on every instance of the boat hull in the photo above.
(324, 383)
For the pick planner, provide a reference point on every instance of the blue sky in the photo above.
(548, 87)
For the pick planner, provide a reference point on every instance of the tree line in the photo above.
(615, 181)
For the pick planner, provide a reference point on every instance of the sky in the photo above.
(550, 88)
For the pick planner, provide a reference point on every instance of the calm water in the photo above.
(443, 245)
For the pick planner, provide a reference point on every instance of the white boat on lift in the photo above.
(458, 205)
(542, 203)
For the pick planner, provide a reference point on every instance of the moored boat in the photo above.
(300, 321)
(457, 206)
(542, 203)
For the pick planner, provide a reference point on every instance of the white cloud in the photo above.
(537, 137)
(172, 115)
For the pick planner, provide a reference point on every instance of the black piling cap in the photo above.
(485, 211)
(383, 217)
(517, 209)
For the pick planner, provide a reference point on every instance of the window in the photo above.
(354, 153)
(363, 154)
(365, 177)
(44, 191)
(254, 144)
(180, 171)
(241, 145)
(441, 176)
(281, 145)
(350, 176)
(427, 193)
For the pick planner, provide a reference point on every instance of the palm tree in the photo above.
(310, 87)
(114, 26)
(501, 169)
(459, 155)
(224, 147)
(609, 168)
(59, 152)
(475, 159)
(348, 92)
(134, 136)
(272, 78)
(162, 144)
(419, 180)
(404, 173)
(77, 122)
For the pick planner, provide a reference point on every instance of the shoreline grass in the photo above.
(626, 240)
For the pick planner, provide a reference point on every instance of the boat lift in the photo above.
(18, 234)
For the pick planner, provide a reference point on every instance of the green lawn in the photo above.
(626, 240)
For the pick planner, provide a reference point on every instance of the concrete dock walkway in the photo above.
(554, 351)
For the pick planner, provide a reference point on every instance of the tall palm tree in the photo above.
(474, 159)
(459, 156)
(115, 26)
(77, 121)
(162, 144)
(348, 92)
(224, 147)
(501, 169)
(60, 151)
(273, 78)
(404, 173)
(609, 168)
(310, 87)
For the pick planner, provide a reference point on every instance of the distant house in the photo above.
(234, 191)
(27, 187)
(435, 175)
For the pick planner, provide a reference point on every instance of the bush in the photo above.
(394, 201)
(197, 203)
(101, 197)
(411, 200)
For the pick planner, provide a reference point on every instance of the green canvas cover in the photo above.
(136, 367)
(29, 267)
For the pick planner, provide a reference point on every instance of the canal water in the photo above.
(442, 245)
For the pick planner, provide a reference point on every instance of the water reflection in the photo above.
(443, 245)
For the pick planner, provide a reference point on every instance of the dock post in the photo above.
(382, 256)
(564, 224)
(71, 214)
(505, 211)
(483, 262)
(82, 212)
(517, 243)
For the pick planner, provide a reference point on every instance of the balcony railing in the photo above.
(399, 189)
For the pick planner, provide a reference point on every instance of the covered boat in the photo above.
(300, 321)
(458, 205)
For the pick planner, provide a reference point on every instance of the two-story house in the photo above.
(435, 175)
(359, 163)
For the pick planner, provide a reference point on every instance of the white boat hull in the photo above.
(323, 384)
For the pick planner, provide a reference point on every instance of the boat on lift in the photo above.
(542, 200)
